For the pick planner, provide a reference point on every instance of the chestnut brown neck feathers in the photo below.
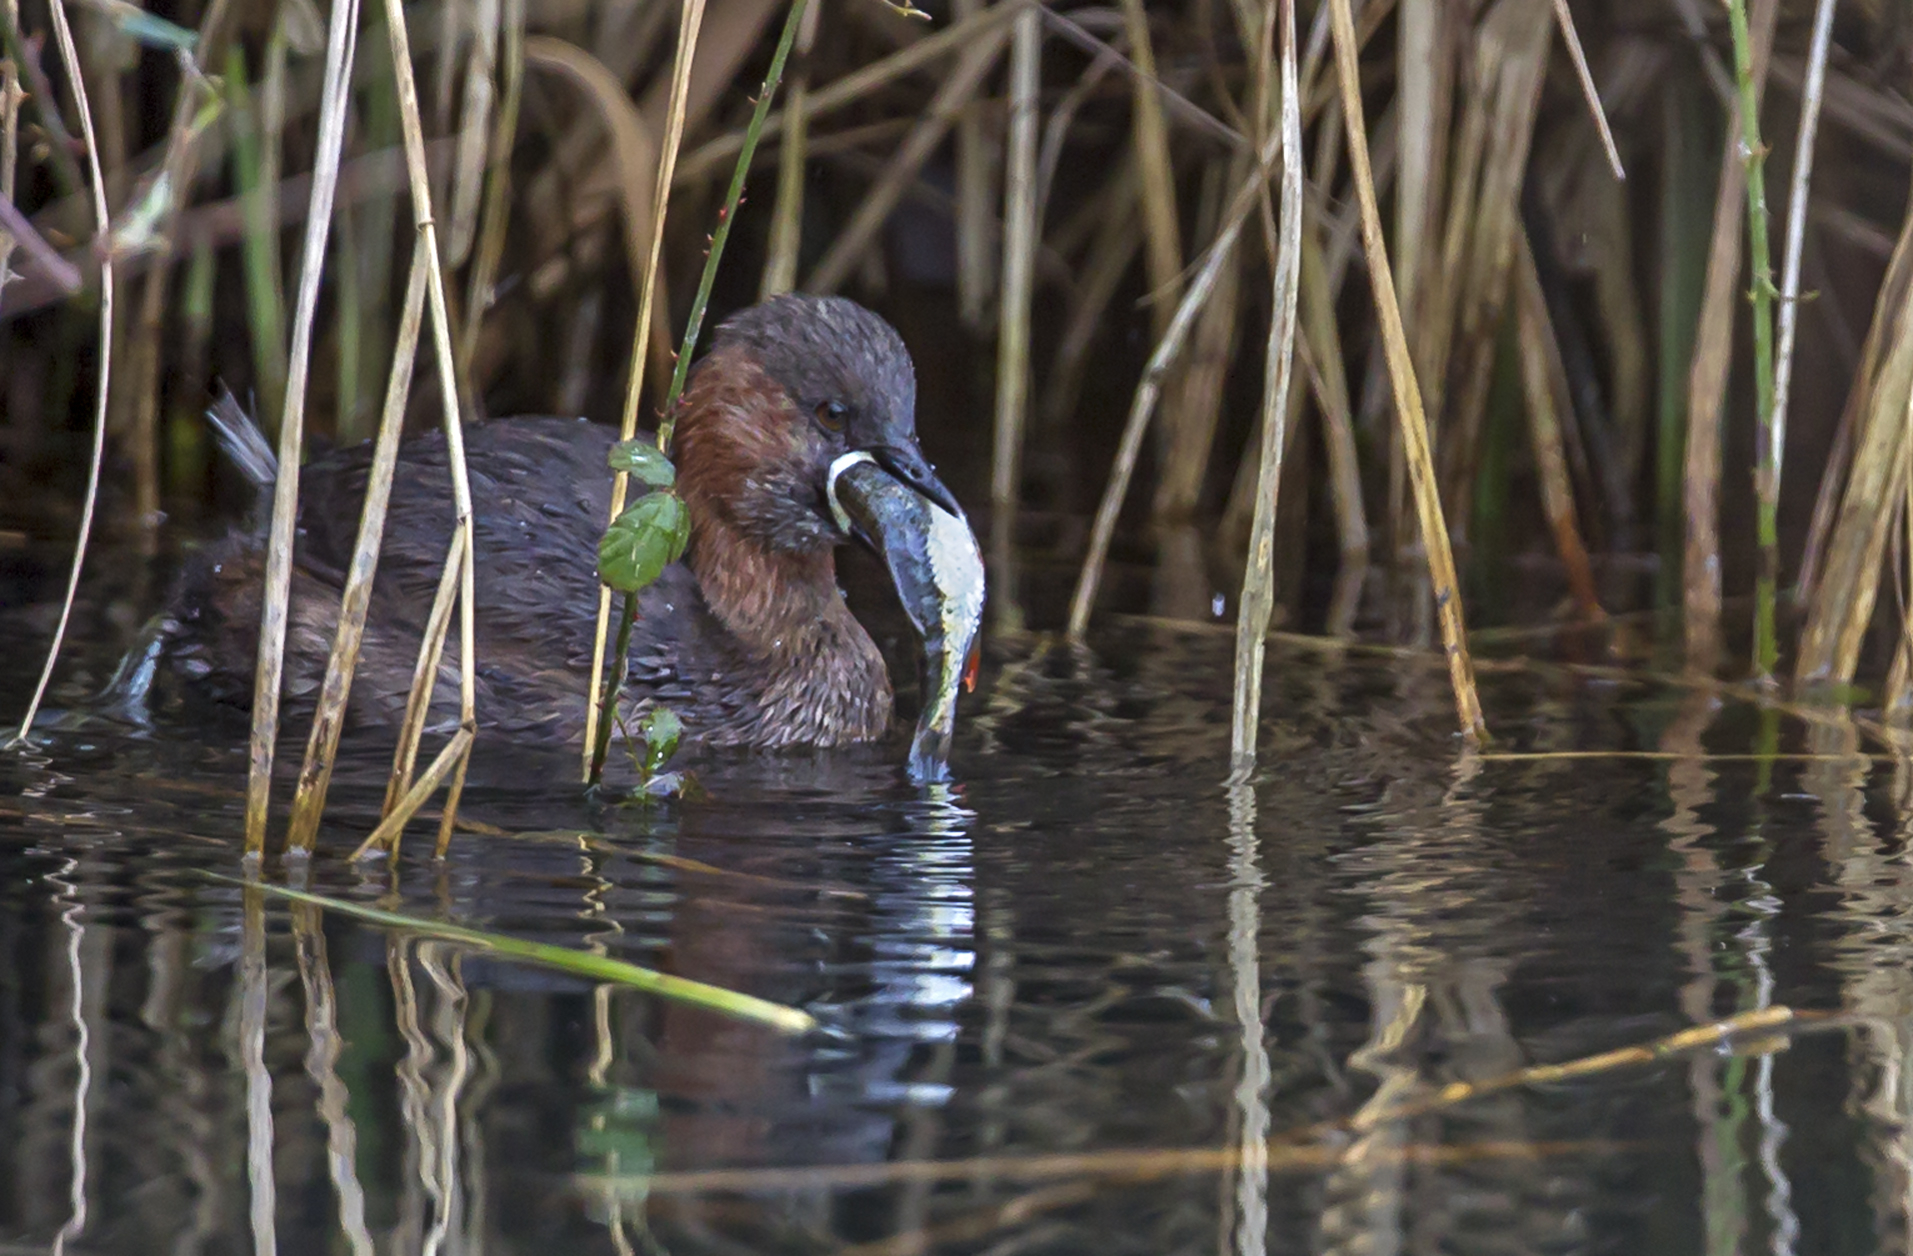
(762, 552)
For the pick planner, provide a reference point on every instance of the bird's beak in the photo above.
(907, 463)
(908, 517)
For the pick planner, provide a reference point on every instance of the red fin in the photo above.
(969, 668)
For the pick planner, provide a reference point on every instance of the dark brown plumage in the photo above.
(747, 638)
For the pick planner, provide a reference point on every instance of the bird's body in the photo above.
(747, 638)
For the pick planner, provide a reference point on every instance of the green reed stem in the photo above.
(1767, 450)
(725, 217)
(584, 964)
(614, 682)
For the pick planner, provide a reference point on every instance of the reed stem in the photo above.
(1401, 373)
(70, 61)
(606, 706)
(329, 719)
(1811, 98)
(787, 223)
(1767, 451)
(1020, 230)
(275, 598)
(418, 181)
(1258, 581)
(597, 729)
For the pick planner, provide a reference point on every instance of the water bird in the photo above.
(796, 433)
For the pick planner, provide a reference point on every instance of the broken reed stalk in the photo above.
(1401, 373)
(418, 699)
(691, 18)
(605, 708)
(1258, 582)
(1149, 389)
(1805, 142)
(1020, 230)
(418, 178)
(102, 224)
(275, 597)
(1306, 1147)
(327, 721)
(787, 222)
(1767, 453)
(951, 99)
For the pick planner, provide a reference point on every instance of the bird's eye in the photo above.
(832, 415)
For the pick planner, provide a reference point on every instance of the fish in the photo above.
(937, 569)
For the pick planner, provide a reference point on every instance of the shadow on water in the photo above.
(1079, 1002)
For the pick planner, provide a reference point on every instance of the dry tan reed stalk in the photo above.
(418, 178)
(418, 699)
(787, 219)
(1258, 581)
(634, 151)
(1544, 387)
(1841, 605)
(720, 153)
(1020, 230)
(1238, 513)
(341, 42)
(955, 94)
(70, 60)
(11, 95)
(975, 212)
(1107, 262)
(1565, 19)
(1173, 102)
(1707, 380)
(450, 761)
(688, 25)
(1511, 61)
(1424, 107)
(496, 213)
(473, 136)
(1305, 1149)
(1155, 171)
(329, 718)
(1401, 372)
(1328, 380)
(177, 170)
(1149, 389)
(1194, 407)
(1803, 154)
(1896, 705)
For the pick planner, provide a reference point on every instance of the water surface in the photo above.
(1085, 1000)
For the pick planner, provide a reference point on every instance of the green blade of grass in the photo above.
(584, 964)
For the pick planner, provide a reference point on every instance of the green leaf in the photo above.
(644, 460)
(640, 543)
(660, 728)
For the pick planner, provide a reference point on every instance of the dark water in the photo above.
(1087, 981)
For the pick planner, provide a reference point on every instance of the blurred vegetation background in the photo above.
(1584, 345)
